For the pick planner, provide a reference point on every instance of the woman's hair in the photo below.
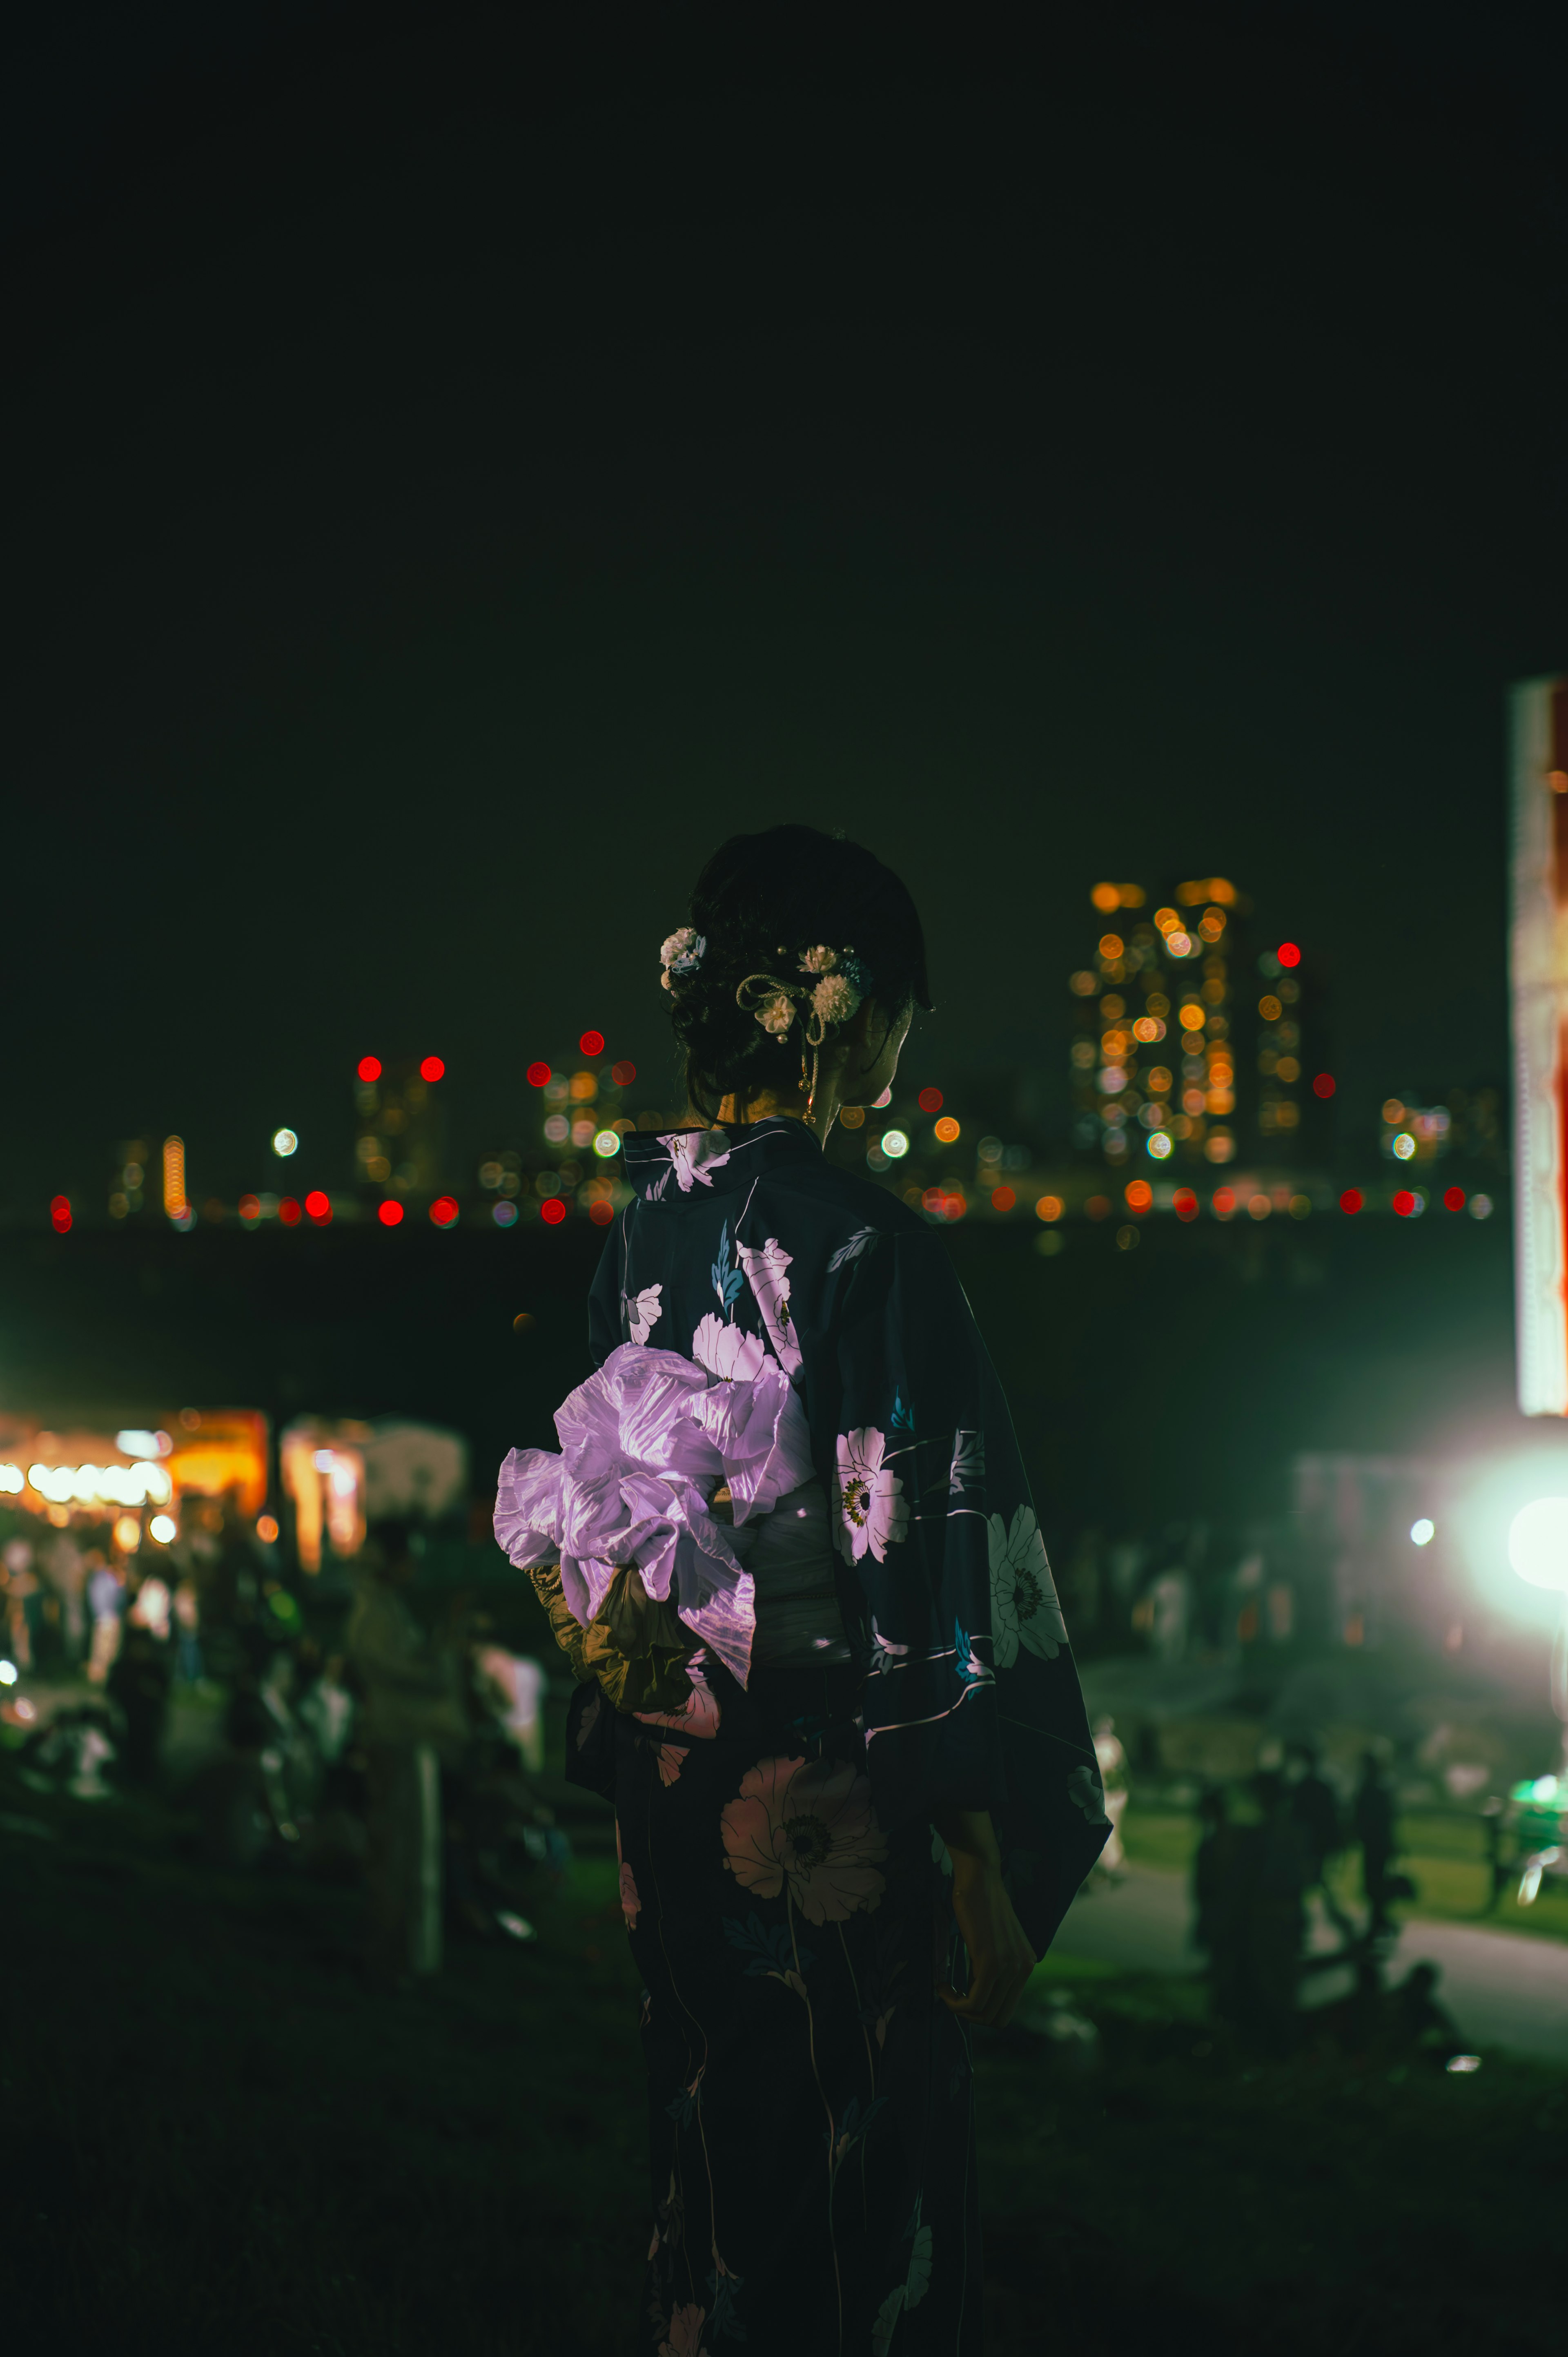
(760, 903)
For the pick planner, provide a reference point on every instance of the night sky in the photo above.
(458, 471)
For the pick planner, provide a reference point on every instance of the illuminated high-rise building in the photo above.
(1191, 1049)
(1156, 1058)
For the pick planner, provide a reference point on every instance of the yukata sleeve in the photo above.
(606, 1329)
(972, 1700)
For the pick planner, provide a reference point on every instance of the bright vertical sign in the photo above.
(1539, 986)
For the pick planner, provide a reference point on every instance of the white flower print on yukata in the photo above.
(872, 1509)
(643, 1311)
(766, 1270)
(1024, 1605)
(695, 1155)
(725, 1351)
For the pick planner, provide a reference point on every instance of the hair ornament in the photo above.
(682, 953)
(833, 989)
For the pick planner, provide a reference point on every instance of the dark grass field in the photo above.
(217, 2139)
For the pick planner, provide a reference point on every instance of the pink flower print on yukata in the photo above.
(872, 1514)
(686, 2333)
(810, 1828)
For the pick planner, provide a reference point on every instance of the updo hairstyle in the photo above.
(760, 903)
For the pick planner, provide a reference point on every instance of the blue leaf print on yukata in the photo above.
(723, 2291)
(970, 1670)
(727, 1282)
(853, 2125)
(861, 1240)
(902, 1418)
(685, 2103)
(768, 1945)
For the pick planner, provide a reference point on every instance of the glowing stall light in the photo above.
(1423, 1531)
(7, 1673)
(164, 1529)
(150, 1444)
(12, 1482)
(1538, 962)
(895, 1144)
(1538, 1543)
(89, 1485)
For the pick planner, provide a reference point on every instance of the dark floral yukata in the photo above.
(813, 2137)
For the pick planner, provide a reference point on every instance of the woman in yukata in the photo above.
(853, 1816)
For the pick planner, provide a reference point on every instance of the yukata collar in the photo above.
(719, 1160)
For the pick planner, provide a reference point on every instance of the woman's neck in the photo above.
(783, 1105)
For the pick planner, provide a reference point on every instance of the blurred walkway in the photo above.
(1503, 1988)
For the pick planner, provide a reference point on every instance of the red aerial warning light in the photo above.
(60, 1214)
(1288, 953)
(289, 1212)
(623, 1075)
(537, 1076)
(1351, 1200)
(368, 1069)
(1453, 1199)
(553, 1211)
(591, 1043)
(432, 1069)
(1404, 1203)
(1322, 1086)
(929, 1100)
(318, 1207)
(443, 1211)
(1184, 1203)
(390, 1214)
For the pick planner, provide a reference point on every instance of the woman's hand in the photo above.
(999, 1958)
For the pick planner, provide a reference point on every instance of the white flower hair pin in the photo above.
(836, 984)
(682, 953)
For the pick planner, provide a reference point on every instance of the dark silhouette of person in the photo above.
(1211, 1870)
(1499, 1869)
(1420, 2019)
(139, 1683)
(1315, 1807)
(1372, 1817)
(1277, 1914)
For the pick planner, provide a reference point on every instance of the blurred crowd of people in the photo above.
(376, 1750)
(1256, 1878)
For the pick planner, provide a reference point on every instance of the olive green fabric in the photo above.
(635, 1648)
